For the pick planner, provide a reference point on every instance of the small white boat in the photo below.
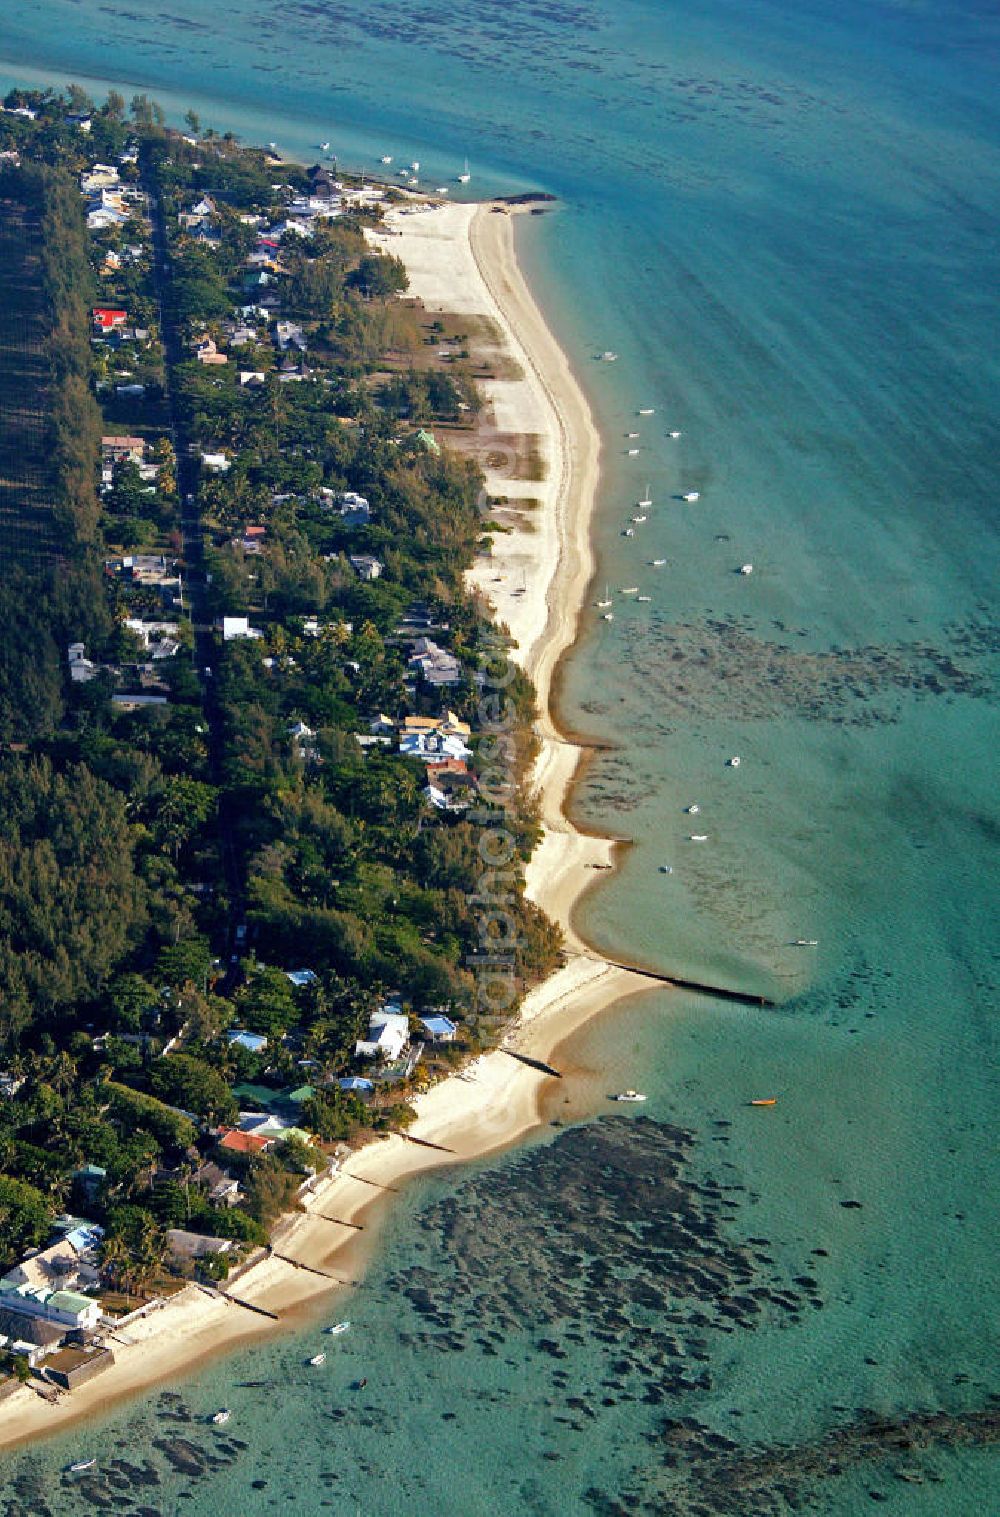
(318, 1359)
(415, 166)
(693, 809)
(608, 356)
(641, 517)
(666, 869)
(734, 762)
(692, 495)
(698, 837)
(674, 435)
(629, 1095)
(658, 563)
(465, 176)
(609, 616)
(646, 502)
(628, 532)
(81, 1465)
(807, 942)
(273, 146)
(221, 1417)
(324, 147)
(644, 597)
(607, 599)
(631, 434)
(630, 590)
(386, 158)
(647, 411)
(633, 452)
(746, 568)
(338, 1328)
(442, 189)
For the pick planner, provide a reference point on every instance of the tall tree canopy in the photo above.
(69, 899)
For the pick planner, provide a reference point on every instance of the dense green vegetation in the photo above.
(161, 869)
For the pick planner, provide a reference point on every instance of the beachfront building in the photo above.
(433, 745)
(222, 1190)
(45, 1284)
(250, 1144)
(30, 1338)
(439, 1028)
(184, 1246)
(434, 665)
(447, 725)
(65, 1309)
(388, 1036)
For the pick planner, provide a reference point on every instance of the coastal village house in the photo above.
(388, 1035)
(44, 1284)
(184, 1246)
(109, 318)
(439, 1028)
(435, 666)
(365, 566)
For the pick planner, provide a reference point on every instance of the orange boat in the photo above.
(765, 1101)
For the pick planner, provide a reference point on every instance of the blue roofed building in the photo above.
(300, 977)
(440, 1029)
(253, 1042)
(356, 1085)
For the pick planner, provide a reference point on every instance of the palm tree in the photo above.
(115, 1259)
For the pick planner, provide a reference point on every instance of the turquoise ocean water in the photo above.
(783, 219)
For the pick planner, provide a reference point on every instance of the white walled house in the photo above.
(388, 1035)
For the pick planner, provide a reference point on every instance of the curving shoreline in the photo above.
(460, 258)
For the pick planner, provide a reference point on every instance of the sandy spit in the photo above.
(460, 258)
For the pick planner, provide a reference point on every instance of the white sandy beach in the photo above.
(460, 258)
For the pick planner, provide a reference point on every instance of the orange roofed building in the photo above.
(236, 1142)
(447, 725)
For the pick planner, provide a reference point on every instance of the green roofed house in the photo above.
(427, 440)
(277, 1132)
(261, 1095)
(297, 1097)
(90, 1177)
(73, 1309)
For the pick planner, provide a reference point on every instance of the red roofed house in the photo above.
(446, 766)
(108, 319)
(118, 450)
(236, 1142)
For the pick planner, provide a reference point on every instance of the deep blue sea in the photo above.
(783, 218)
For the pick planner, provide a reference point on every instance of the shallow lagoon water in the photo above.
(781, 220)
